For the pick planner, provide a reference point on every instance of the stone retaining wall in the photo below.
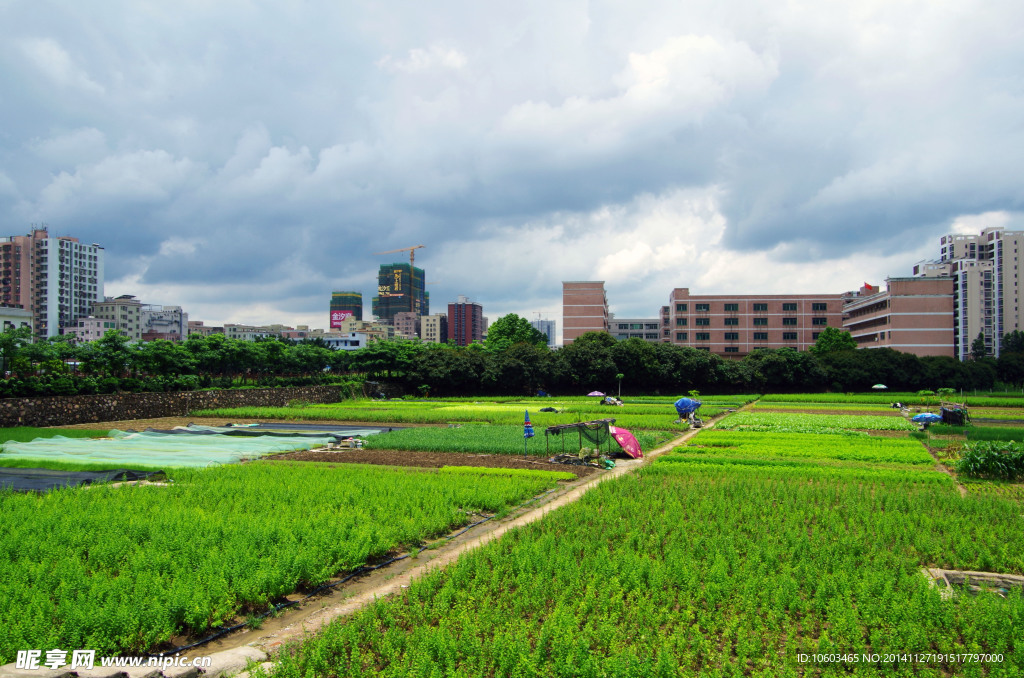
(64, 410)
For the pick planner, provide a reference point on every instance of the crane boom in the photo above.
(410, 250)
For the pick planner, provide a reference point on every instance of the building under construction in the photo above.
(346, 305)
(400, 288)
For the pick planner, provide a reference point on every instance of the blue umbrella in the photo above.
(927, 418)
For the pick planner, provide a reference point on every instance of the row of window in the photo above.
(758, 322)
(786, 306)
(735, 336)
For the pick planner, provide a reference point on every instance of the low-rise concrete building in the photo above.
(90, 329)
(434, 328)
(736, 324)
(648, 329)
(125, 311)
(13, 316)
(912, 315)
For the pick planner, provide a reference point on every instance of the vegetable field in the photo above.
(705, 571)
(122, 569)
(736, 554)
(645, 414)
(496, 439)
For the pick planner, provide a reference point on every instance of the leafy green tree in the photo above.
(833, 339)
(978, 348)
(511, 329)
(165, 358)
(1012, 342)
(113, 354)
(587, 362)
(12, 341)
(1010, 368)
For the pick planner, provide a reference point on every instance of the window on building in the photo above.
(732, 349)
(819, 321)
(789, 306)
(760, 321)
(623, 326)
(680, 336)
(732, 307)
(703, 348)
(760, 307)
(680, 308)
(732, 322)
(732, 336)
(819, 306)
(702, 321)
(680, 322)
(815, 335)
(702, 336)
(789, 321)
(703, 308)
(760, 336)
(789, 336)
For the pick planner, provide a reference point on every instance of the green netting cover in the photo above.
(150, 448)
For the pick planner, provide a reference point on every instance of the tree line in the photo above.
(514, 360)
(597, 361)
(58, 366)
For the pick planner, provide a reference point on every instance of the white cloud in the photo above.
(142, 176)
(54, 61)
(974, 224)
(419, 60)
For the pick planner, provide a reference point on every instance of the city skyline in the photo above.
(244, 161)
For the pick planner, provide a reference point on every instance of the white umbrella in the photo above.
(879, 386)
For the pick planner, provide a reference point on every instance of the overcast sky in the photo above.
(244, 159)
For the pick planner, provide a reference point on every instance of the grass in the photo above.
(25, 434)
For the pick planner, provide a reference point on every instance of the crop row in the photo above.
(682, 570)
(834, 407)
(824, 446)
(886, 397)
(483, 438)
(645, 417)
(780, 421)
(121, 569)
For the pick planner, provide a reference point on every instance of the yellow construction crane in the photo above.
(411, 250)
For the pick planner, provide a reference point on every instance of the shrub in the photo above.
(997, 460)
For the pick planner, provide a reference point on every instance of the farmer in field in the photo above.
(687, 408)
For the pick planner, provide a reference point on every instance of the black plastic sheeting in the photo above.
(42, 480)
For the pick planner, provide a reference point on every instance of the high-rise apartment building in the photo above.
(345, 305)
(465, 322)
(57, 279)
(987, 283)
(400, 287)
(547, 328)
(735, 325)
(584, 309)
